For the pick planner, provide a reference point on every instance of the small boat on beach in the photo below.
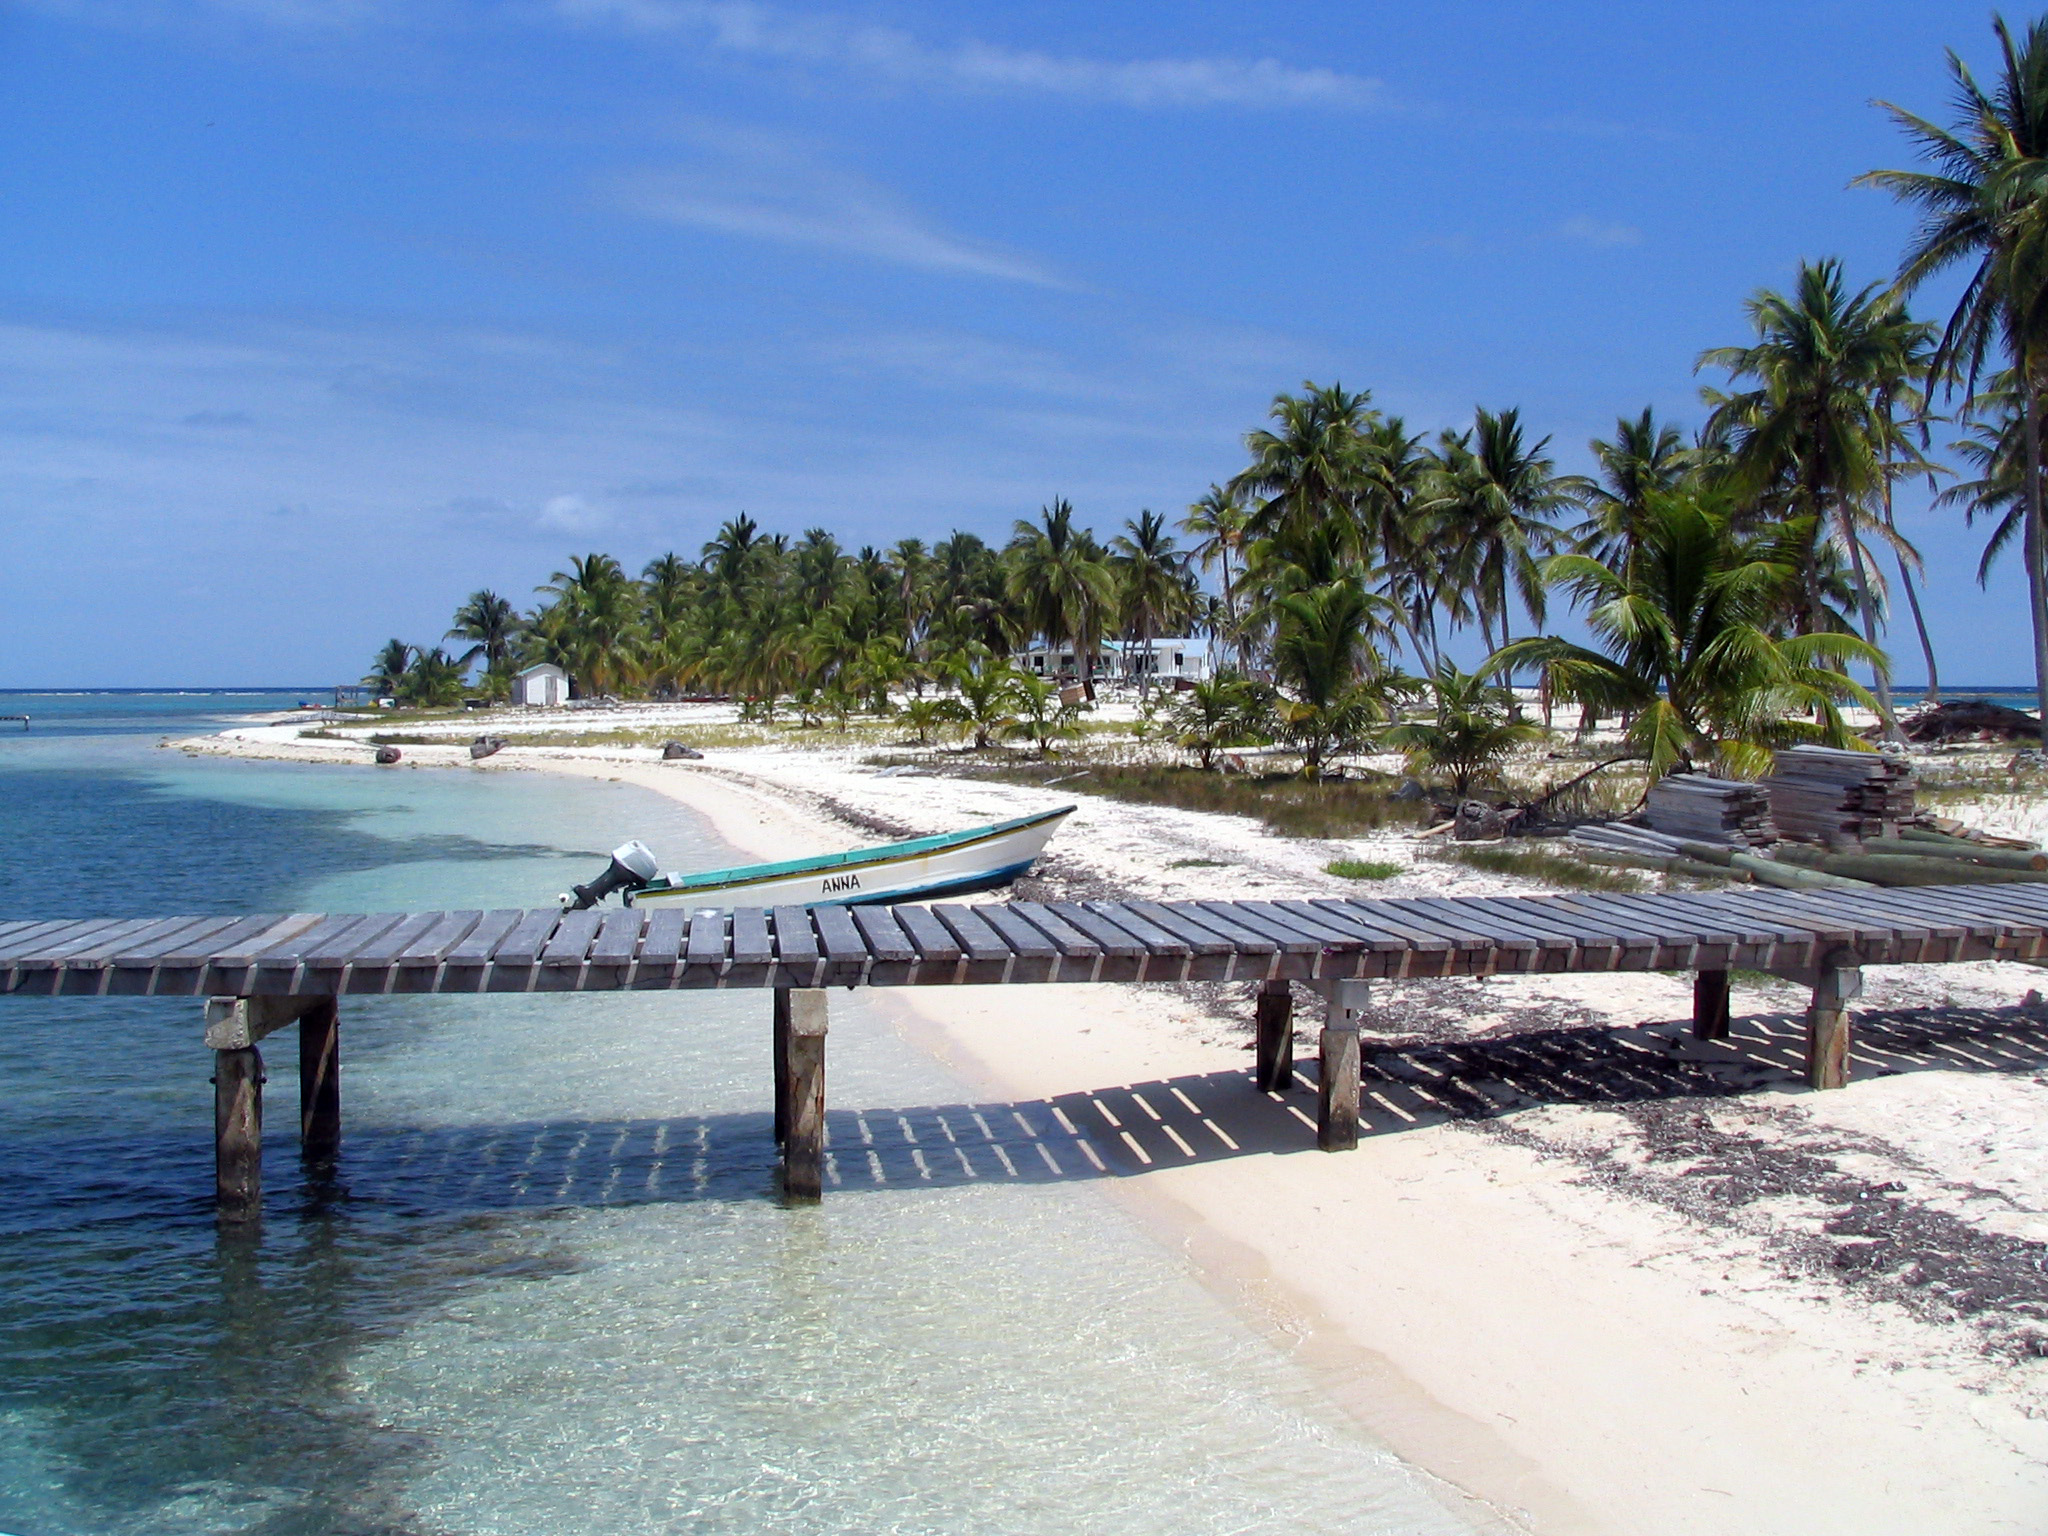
(949, 864)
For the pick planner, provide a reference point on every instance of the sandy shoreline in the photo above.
(1632, 1302)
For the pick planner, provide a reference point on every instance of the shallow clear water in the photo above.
(552, 1290)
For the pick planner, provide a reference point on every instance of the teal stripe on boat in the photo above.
(719, 879)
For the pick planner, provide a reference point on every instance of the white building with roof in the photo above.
(542, 686)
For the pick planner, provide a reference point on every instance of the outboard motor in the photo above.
(633, 865)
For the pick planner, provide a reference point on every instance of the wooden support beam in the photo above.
(1838, 981)
(802, 1058)
(238, 1134)
(1337, 1080)
(1710, 1005)
(1274, 1027)
(779, 1047)
(320, 1085)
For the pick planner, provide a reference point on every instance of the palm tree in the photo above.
(1491, 508)
(987, 696)
(1060, 581)
(1038, 713)
(389, 667)
(1687, 648)
(1471, 733)
(1645, 456)
(594, 621)
(1307, 473)
(1218, 520)
(434, 679)
(1152, 595)
(1986, 208)
(1320, 655)
(491, 623)
(1812, 437)
(1220, 712)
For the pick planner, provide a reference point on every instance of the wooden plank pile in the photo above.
(1710, 810)
(1839, 799)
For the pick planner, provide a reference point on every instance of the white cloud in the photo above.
(772, 191)
(571, 514)
(1587, 231)
(744, 27)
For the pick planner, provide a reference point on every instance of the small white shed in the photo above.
(544, 685)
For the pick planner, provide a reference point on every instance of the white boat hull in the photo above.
(984, 863)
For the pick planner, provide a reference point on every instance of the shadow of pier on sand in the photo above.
(1140, 1128)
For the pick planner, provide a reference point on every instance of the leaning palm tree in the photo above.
(1986, 210)
(1687, 642)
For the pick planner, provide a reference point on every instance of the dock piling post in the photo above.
(1274, 1027)
(1838, 981)
(801, 1067)
(320, 1085)
(1710, 1005)
(1337, 1081)
(238, 1134)
(780, 1049)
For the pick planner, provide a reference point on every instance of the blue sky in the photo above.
(316, 315)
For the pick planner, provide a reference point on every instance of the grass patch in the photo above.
(1288, 805)
(1539, 864)
(1197, 864)
(1364, 869)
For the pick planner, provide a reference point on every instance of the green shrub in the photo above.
(1364, 869)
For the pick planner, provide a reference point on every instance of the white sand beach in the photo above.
(1656, 1287)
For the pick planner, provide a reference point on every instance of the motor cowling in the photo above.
(633, 865)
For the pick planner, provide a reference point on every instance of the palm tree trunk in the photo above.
(1920, 625)
(1880, 671)
(2037, 599)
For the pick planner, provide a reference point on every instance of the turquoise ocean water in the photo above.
(551, 1290)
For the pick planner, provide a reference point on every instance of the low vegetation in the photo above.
(1533, 863)
(1364, 869)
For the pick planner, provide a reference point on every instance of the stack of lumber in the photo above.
(1838, 799)
(1692, 805)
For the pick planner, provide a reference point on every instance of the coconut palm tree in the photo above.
(389, 667)
(433, 681)
(1495, 495)
(491, 623)
(1687, 648)
(1307, 472)
(1471, 732)
(595, 621)
(1985, 207)
(1220, 712)
(1152, 595)
(1812, 437)
(1336, 694)
(1061, 583)
(1217, 520)
(1645, 455)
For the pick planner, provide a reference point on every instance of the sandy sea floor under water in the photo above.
(1592, 1275)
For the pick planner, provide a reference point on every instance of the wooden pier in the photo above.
(260, 974)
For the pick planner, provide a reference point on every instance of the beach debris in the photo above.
(484, 746)
(1478, 822)
(1838, 799)
(386, 756)
(1712, 810)
(675, 751)
(1647, 848)
(1969, 720)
